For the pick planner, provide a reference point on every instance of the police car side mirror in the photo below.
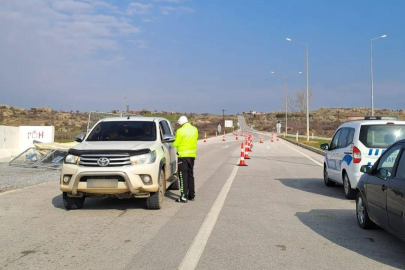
(325, 146)
(365, 169)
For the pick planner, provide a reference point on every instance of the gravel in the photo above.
(16, 177)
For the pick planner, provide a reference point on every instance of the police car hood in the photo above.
(117, 145)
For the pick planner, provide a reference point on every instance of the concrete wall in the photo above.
(9, 142)
(28, 134)
(14, 140)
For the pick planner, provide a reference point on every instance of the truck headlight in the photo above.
(144, 159)
(71, 159)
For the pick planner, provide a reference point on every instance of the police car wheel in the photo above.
(349, 192)
(326, 179)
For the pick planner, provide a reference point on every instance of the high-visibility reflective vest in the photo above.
(186, 140)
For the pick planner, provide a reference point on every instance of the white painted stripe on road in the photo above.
(226, 146)
(268, 147)
(318, 163)
(196, 249)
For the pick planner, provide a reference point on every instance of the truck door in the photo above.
(171, 160)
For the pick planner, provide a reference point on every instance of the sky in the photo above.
(199, 55)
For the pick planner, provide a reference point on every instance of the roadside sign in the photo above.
(219, 128)
(229, 123)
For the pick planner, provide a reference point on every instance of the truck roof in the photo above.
(132, 118)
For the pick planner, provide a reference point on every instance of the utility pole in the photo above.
(223, 117)
(126, 102)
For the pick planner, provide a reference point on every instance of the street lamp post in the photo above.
(285, 76)
(306, 48)
(371, 73)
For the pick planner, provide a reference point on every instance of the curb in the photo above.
(310, 148)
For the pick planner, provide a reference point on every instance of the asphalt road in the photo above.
(276, 213)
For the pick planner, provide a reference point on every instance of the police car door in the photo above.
(332, 155)
(344, 151)
(171, 159)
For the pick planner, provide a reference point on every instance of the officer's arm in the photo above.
(178, 138)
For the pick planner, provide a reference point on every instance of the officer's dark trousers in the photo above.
(186, 177)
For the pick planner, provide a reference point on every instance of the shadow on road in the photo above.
(107, 203)
(313, 185)
(340, 227)
(287, 160)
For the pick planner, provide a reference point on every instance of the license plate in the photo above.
(102, 183)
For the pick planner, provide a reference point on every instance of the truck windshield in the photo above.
(381, 136)
(123, 131)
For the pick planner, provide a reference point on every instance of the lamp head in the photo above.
(383, 36)
(288, 39)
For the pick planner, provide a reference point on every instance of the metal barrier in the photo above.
(40, 158)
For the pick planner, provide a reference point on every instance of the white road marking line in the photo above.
(226, 146)
(318, 163)
(268, 147)
(196, 249)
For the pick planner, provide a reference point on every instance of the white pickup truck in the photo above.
(121, 157)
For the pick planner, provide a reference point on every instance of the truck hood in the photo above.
(106, 145)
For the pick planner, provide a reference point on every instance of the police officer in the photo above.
(186, 143)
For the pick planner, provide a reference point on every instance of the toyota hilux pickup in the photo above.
(122, 157)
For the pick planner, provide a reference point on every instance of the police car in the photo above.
(355, 144)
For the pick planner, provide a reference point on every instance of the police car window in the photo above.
(401, 167)
(345, 137)
(334, 143)
(381, 136)
(387, 161)
(166, 129)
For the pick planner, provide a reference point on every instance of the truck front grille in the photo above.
(114, 160)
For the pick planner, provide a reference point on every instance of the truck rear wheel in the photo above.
(71, 203)
(155, 201)
(175, 185)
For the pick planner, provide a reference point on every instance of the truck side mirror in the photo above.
(80, 138)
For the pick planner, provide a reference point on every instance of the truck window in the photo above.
(123, 131)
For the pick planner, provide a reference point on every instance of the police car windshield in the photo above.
(381, 136)
(123, 131)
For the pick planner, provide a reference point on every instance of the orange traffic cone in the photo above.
(242, 156)
(236, 137)
(246, 150)
(272, 137)
(261, 139)
(205, 137)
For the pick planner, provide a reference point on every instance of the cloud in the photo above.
(168, 1)
(147, 20)
(72, 6)
(138, 8)
(166, 10)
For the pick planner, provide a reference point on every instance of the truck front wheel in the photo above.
(155, 201)
(71, 203)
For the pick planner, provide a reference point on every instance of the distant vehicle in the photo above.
(122, 157)
(381, 192)
(355, 144)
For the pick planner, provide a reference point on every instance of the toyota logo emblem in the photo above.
(103, 162)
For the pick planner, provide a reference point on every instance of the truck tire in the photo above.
(175, 185)
(71, 203)
(347, 188)
(155, 200)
